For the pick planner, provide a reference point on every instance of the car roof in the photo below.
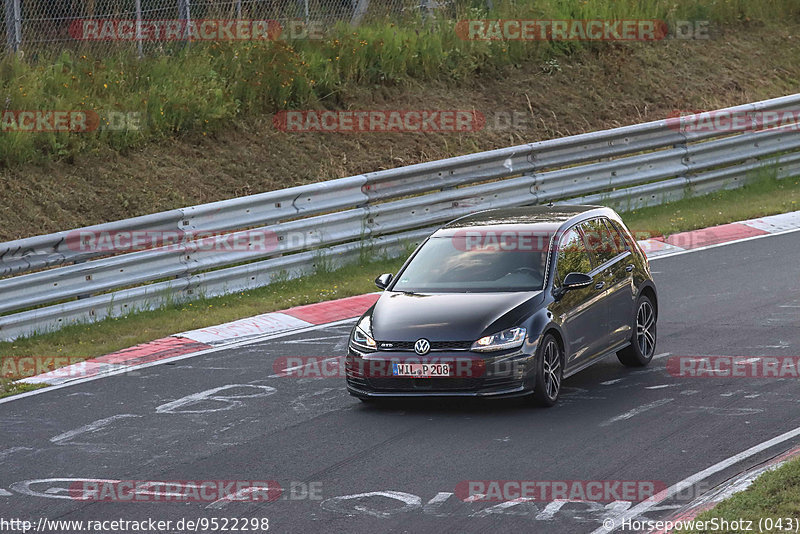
(534, 218)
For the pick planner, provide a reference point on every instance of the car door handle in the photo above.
(629, 268)
(599, 285)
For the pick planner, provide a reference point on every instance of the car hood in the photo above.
(447, 316)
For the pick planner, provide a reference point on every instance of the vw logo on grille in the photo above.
(422, 346)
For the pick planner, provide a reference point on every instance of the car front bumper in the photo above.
(509, 374)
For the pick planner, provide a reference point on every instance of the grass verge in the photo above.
(773, 495)
(8, 387)
(205, 87)
(765, 196)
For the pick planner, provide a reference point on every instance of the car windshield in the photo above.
(447, 264)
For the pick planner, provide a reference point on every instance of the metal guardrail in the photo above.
(330, 223)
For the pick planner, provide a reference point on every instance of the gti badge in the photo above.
(422, 346)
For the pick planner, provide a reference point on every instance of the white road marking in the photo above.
(551, 509)
(662, 386)
(91, 427)
(337, 504)
(53, 491)
(609, 382)
(690, 481)
(5, 493)
(211, 350)
(434, 504)
(239, 496)
(281, 374)
(636, 411)
(229, 401)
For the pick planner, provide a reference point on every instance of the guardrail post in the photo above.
(359, 12)
(185, 16)
(13, 25)
(139, 49)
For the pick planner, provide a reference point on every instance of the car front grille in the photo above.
(435, 345)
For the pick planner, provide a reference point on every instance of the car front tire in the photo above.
(550, 372)
(643, 339)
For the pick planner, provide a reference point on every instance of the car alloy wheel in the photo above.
(548, 379)
(645, 328)
(643, 338)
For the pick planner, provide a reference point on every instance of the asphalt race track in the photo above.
(394, 467)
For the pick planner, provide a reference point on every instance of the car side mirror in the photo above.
(572, 281)
(576, 280)
(384, 280)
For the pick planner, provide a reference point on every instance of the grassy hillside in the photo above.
(207, 112)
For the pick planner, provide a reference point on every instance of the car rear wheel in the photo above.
(550, 372)
(643, 340)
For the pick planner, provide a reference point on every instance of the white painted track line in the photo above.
(688, 482)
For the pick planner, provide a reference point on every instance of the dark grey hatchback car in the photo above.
(507, 302)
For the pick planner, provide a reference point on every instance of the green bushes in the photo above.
(206, 86)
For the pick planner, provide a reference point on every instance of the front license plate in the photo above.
(420, 370)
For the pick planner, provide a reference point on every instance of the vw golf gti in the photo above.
(507, 302)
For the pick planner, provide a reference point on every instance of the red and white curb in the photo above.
(321, 313)
(213, 336)
(725, 233)
(736, 484)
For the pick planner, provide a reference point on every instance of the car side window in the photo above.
(573, 256)
(599, 240)
(623, 245)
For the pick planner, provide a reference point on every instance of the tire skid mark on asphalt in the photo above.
(90, 428)
(636, 411)
(722, 410)
(284, 372)
(13, 450)
(610, 382)
(319, 397)
(732, 393)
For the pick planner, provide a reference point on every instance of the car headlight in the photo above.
(507, 339)
(363, 340)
